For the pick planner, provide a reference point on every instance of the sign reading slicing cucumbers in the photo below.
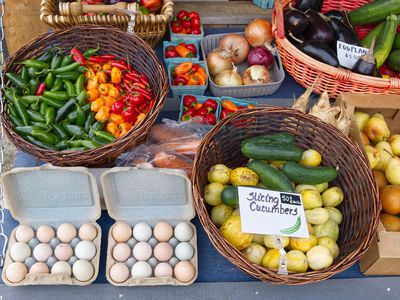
(271, 212)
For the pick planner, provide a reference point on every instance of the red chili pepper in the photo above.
(133, 72)
(211, 119)
(117, 107)
(143, 92)
(129, 114)
(108, 72)
(189, 101)
(144, 79)
(132, 77)
(192, 48)
(143, 86)
(119, 65)
(77, 56)
(143, 108)
(119, 87)
(180, 80)
(107, 56)
(98, 60)
(40, 89)
(210, 104)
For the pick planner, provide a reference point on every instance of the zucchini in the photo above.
(375, 11)
(230, 196)
(308, 175)
(375, 33)
(385, 41)
(265, 150)
(285, 138)
(396, 43)
(394, 61)
(271, 177)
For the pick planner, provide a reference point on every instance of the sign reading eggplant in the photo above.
(271, 212)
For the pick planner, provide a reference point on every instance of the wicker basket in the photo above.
(306, 70)
(113, 41)
(150, 28)
(360, 208)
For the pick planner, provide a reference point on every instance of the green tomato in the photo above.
(220, 213)
(332, 197)
(212, 193)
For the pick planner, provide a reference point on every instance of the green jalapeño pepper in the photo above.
(64, 110)
(80, 116)
(66, 60)
(90, 144)
(68, 68)
(35, 116)
(80, 84)
(69, 87)
(81, 98)
(47, 56)
(30, 99)
(39, 143)
(16, 122)
(61, 145)
(49, 81)
(95, 127)
(36, 64)
(56, 95)
(24, 73)
(49, 115)
(59, 131)
(42, 107)
(17, 80)
(46, 137)
(56, 61)
(26, 129)
(105, 135)
(21, 110)
(73, 75)
(90, 119)
(33, 85)
(51, 102)
(58, 84)
(74, 130)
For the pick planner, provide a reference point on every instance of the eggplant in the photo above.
(342, 33)
(336, 14)
(310, 4)
(318, 29)
(366, 64)
(295, 21)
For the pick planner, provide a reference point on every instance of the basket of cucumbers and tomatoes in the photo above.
(82, 104)
(285, 150)
(307, 33)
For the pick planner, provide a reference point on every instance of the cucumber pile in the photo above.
(277, 163)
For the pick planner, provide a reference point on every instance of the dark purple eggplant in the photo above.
(342, 33)
(366, 64)
(310, 4)
(336, 14)
(318, 29)
(295, 20)
(318, 51)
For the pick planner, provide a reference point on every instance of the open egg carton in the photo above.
(153, 241)
(58, 239)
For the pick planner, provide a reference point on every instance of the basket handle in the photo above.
(278, 29)
(78, 9)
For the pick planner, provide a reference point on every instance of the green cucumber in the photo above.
(265, 150)
(396, 43)
(376, 32)
(285, 138)
(230, 196)
(308, 175)
(271, 177)
(385, 41)
(394, 61)
(374, 11)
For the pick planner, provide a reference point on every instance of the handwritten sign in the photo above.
(270, 212)
(348, 54)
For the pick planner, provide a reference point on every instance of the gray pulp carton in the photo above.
(151, 195)
(52, 195)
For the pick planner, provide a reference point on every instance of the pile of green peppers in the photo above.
(46, 103)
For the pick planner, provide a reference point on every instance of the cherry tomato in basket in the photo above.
(195, 22)
(192, 48)
(196, 31)
(210, 104)
(182, 15)
(171, 53)
(211, 119)
(189, 101)
(129, 114)
(193, 14)
(176, 27)
(186, 24)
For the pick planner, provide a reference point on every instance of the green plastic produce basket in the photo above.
(166, 44)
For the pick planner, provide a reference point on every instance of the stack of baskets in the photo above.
(307, 70)
(150, 28)
(112, 41)
(360, 208)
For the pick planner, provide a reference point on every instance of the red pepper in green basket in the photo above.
(196, 31)
(78, 56)
(192, 48)
(189, 101)
(176, 27)
(180, 80)
(210, 104)
(225, 113)
(211, 119)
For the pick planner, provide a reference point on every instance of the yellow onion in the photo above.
(219, 60)
(258, 33)
(236, 45)
(229, 78)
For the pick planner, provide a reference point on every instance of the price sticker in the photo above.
(349, 54)
(270, 212)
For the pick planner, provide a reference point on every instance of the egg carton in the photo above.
(134, 195)
(49, 195)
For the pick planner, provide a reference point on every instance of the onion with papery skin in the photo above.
(260, 56)
(219, 60)
(258, 33)
(256, 74)
(229, 78)
(236, 45)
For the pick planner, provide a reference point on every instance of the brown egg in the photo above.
(163, 251)
(66, 232)
(39, 268)
(45, 233)
(16, 272)
(121, 252)
(122, 232)
(184, 271)
(119, 272)
(87, 232)
(163, 231)
(63, 252)
(24, 233)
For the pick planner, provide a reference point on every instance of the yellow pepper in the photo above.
(109, 101)
(107, 66)
(90, 73)
(113, 92)
(116, 118)
(97, 104)
(112, 128)
(123, 132)
(102, 77)
(102, 114)
(139, 118)
(92, 83)
(96, 67)
(103, 89)
(92, 95)
(115, 75)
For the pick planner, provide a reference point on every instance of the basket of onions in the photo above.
(243, 64)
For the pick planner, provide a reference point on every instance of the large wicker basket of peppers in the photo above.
(82, 96)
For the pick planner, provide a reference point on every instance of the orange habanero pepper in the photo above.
(193, 80)
(117, 118)
(111, 127)
(228, 105)
(115, 75)
(107, 66)
(92, 95)
(95, 106)
(102, 77)
(96, 67)
(198, 105)
(125, 126)
(109, 101)
(203, 73)
(102, 114)
(92, 83)
(202, 80)
(183, 51)
(183, 68)
(90, 73)
(103, 89)
(123, 132)
(139, 118)
(113, 92)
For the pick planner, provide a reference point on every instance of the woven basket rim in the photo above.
(140, 129)
(269, 275)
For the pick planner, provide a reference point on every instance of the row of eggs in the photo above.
(65, 250)
(143, 249)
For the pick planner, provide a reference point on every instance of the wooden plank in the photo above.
(225, 13)
(22, 23)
